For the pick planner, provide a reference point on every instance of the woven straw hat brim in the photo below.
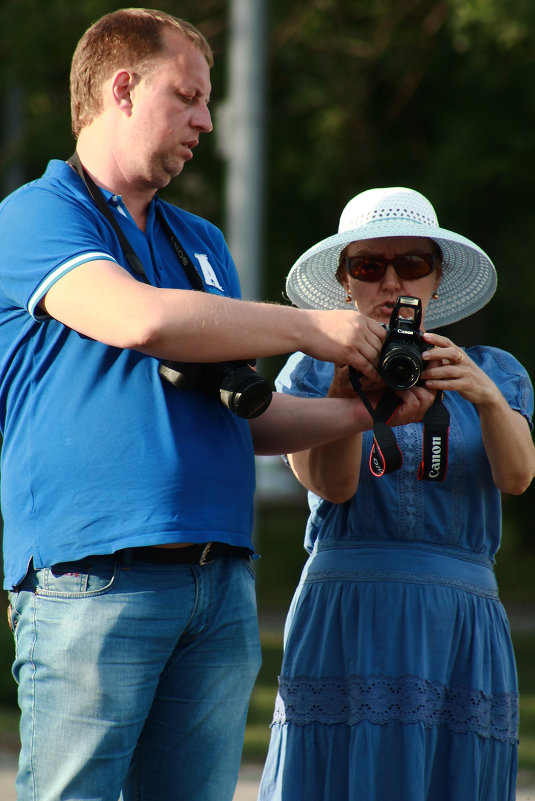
(468, 276)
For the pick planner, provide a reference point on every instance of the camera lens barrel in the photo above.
(401, 365)
(400, 360)
(240, 388)
(245, 393)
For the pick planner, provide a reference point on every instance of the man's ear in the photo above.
(122, 84)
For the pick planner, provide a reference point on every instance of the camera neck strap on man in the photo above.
(237, 385)
(133, 260)
(385, 455)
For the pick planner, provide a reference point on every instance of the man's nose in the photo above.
(203, 119)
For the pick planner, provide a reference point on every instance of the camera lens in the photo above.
(401, 366)
(235, 384)
(245, 392)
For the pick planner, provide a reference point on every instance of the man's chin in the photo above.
(168, 173)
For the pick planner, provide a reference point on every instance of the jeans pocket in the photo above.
(12, 612)
(94, 575)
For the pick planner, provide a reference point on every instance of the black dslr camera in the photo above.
(235, 384)
(400, 360)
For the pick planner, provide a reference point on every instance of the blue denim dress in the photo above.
(398, 678)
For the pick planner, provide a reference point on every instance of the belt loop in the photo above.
(125, 558)
(205, 560)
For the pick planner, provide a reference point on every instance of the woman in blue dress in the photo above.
(398, 680)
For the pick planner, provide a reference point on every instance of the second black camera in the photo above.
(240, 388)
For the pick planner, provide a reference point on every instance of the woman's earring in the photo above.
(435, 295)
(348, 298)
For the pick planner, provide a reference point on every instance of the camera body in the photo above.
(400, 360)
(240, 388)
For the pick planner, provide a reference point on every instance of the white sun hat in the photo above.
(468, 275)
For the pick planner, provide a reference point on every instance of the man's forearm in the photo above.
(293, 424)
(202, 327)
(103, 301)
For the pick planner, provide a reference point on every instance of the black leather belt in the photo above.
(201, 554)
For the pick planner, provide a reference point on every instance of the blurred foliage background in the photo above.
(431, 94)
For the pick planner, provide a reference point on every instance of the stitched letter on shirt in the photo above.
(210, 278)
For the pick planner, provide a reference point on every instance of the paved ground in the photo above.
(526, 788)
(8, 766)
(246, 790)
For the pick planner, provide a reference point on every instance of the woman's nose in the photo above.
(391, 278)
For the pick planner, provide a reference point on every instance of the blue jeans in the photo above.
(135, 678)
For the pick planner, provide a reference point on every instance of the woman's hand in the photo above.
(414, 402)
(341, 386)
(506, 435)
(449, 367)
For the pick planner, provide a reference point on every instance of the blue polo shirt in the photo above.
(99, 453)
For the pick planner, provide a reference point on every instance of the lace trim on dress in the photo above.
(409, 492)
(405, 699)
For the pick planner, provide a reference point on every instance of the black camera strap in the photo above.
(385, 455)
(436, 437)
(132, 258)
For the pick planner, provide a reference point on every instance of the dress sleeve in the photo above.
(305, 377)
(509, 375)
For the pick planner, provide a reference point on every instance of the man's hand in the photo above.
(347, 337)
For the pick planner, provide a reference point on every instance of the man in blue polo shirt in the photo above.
(128, 502)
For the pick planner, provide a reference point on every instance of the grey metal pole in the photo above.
(242, 142)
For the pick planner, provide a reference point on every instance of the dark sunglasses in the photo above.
(408, 266)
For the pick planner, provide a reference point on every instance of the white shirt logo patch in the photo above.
(210, 278)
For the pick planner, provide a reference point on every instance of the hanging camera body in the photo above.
(400, 360)
(235, 384)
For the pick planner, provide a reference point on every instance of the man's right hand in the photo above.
(347, 337)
